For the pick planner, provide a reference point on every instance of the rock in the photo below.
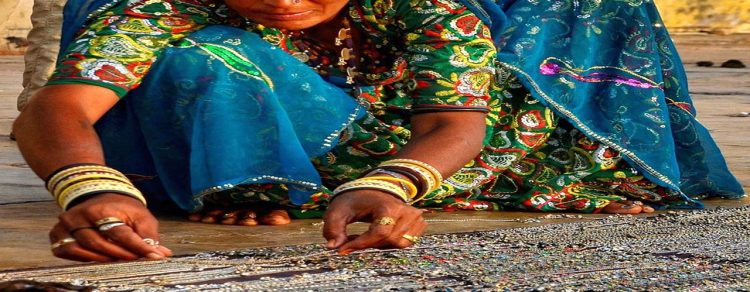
(737, 64)
(704, 64)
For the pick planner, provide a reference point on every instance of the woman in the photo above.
(46, 20)
(583, 107)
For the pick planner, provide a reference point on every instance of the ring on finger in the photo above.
(151, 241)
(414, 239)
(62, 242)
(107, 220)
(385, 221)
(108, 226)
(73, 231)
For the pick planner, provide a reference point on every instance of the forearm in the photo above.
(446, 141)
(56, 129)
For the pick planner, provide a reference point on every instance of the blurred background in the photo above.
(681, 16)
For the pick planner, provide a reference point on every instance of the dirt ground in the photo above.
(27, 211)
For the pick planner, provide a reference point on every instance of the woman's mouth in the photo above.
(286, 16)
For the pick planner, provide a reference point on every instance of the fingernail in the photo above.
(154, 256)
(331, 243)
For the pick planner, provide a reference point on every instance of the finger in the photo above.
(72, 251)
(165, 251)
(148, 228)
(373, 237)
(334, 227)
(126, 237)
(416, 230)
(96, 242)
(412, 224)
(75, 252)
(92, 240)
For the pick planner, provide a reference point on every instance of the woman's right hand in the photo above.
(137, 239)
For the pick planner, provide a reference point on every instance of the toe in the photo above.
(276, 217)
(229, 218)
(195, 217)
(211, 216)
(623, 207)
(247, 218)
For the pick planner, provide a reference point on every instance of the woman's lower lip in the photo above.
(287, 16)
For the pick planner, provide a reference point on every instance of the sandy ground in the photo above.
(27, 212)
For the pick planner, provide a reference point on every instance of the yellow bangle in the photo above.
(83, 176)
(84, 168)
(98, 186)
(371, 185)
(412, 189)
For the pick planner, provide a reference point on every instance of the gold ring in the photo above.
(107, 220)
(62, 242)
(385, 221)
(108, 226)
(412, 238)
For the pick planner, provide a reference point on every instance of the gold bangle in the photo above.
(75, 178)
(60, 197)
(133, 193)
(98, 186)
(430, 168)
(371, 185)
(412, 189)
(84, 168)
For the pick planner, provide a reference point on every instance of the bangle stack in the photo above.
(409, 180)
(427, 177)
(72, 182)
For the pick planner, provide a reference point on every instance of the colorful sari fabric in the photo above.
(567, 129)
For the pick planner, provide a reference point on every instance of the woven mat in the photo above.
(696, 250)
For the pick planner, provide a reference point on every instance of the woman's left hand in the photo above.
(394, 224)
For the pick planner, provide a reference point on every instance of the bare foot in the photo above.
(627, 207)
(244, 217)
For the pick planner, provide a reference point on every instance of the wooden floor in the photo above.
(27, 212)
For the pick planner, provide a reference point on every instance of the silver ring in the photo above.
(151, 241)
(108, 226)
(107, 220)
(62, 242)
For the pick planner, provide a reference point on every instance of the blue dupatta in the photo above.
(610, 69)
(214, 114)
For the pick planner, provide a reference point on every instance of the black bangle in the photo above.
(415, 180)
(420, 182)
